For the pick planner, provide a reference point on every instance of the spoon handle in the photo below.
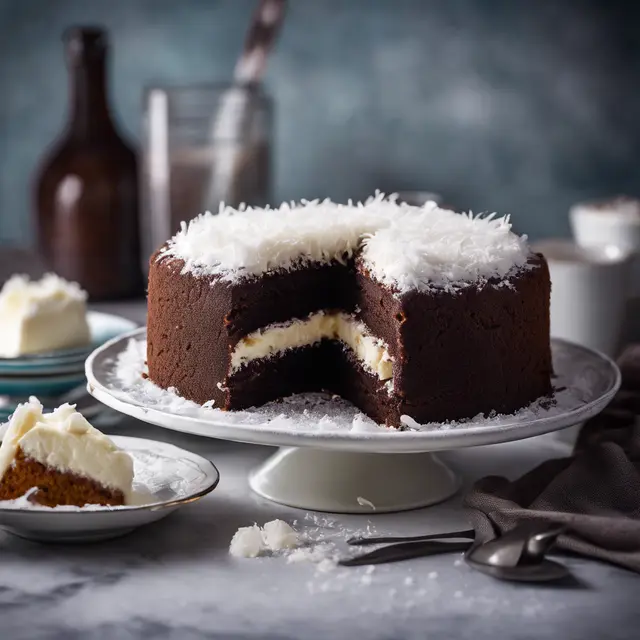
(405, 551)
(468, 534)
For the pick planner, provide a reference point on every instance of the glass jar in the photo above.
(202, 145)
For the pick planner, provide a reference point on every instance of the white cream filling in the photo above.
(370, 351)
(65, 441)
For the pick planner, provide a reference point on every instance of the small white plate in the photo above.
(171, 475)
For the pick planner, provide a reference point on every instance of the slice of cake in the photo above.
(40, 316)
(64, 458)
(415, 311)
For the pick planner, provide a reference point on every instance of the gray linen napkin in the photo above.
(595, 492)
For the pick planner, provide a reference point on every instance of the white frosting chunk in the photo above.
(407, 247)
(247, 542)
(279, 535)
(43, 315)
(251, 542)
(65, 441)
(370, 351)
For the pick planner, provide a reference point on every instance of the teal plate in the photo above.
(39, 385)
(104, 327)
(93, 410)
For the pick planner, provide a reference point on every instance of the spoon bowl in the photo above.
(519, 555)
(545, 571)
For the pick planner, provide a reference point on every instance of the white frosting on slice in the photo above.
(370, 351)
(409, 247)
(65, 441)
(43, 315)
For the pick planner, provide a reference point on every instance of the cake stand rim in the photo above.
(412, 441)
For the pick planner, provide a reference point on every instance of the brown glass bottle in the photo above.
(87, 186)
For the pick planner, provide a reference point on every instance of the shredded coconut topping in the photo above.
(402, 246)
(436, 247)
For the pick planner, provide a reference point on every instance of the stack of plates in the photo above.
(57, 376)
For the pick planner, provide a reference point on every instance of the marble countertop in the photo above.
(175, 579)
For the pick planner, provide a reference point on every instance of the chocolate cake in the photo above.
(404, 311)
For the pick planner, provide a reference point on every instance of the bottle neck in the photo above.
(90, 117)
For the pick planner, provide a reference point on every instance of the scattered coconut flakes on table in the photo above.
(322, 543)
(363, 502)
(323, 555)
(317, 543)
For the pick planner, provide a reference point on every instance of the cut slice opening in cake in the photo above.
(371, 353)
(60, 459)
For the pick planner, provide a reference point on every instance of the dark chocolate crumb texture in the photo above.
(447, 332)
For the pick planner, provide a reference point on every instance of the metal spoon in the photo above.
(405, 551)
(467, 534)
(519, 554)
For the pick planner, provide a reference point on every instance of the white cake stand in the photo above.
(333, 459)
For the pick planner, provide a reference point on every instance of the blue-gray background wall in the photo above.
(509, 105)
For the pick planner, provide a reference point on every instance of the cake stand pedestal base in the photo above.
(348, 482)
